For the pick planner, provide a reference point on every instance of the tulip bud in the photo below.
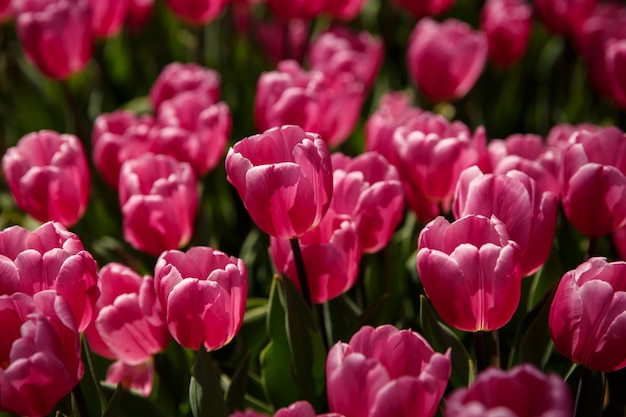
(108, 16)
(507, 24)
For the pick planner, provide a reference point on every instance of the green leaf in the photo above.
(206, 397)
(534, 341)
(133, 404)
(113, 407)
(235, 396)
(546, 279)
(441, 338)
(587, 387)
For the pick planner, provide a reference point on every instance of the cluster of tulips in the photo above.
(435, 270)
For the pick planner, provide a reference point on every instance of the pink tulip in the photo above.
(48, 176)
(130, 323)
(564, 17)
(297, 409)
(445, 59)
(137, 377)
(139, 12)
(39, 353)
(618, 237)
(594, 181)
(117, 137)
(521, 391)
(296, 9)
(190, 128)
(421, 8)
(159, 200)
(528, 213)
(6, 10)
(338, 50)
(560, 134)
(368, 190)
(50, 257)
(588, 315)
(284, 178)
(177, 77)
(282, 40)
(198, 12)
(204, 294)
(344, 9)
(386, 372)
(507, 24)
(616, 69)
(473, 262)
(108, 16)
(56, 34)
(326, 104)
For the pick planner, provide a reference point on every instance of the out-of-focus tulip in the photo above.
(130, 324)
(344, 9)
(118, 137)
(368, 190)
(284, 178)
(296, 9)
(386, 372)
(521, 391)
(198, 12)
(560, 134)
(204, 294)
(190, 128)
(421, 8)
(6, 10)
(137, 377)
(39, 353)
(618, 238)
(594, 181)
(139, 12)
(326, 104)
(282, 40)
(473, 262)
(50, 257)
(564, 17)
(177, 77)
(339, 50)
(616, 70)
(528, 213)
(48, 176)
(297, 409)
(588, 315)
(445, 59)
(56, 35)
(159, 200)
(507, 24)
(108, 16)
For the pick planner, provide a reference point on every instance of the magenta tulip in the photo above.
(445, 59)
(6, 10)
(296, 9)
(344, 9)
(564, 17)
(177, 77)
(50, 258)
(588, 315)
(284, 178)
(528, 213)
(159, 200)
(560, 134)
(139, 12)
(56, 35)
(507, 24)
(48, 176)
(198, 12)
(137, 377)
(40, 359)
(282, 40)
(204, 294)
(421, 8)
(386, 372)
(108, 16)
(523, 391)
(473, 262)
(297, 409)
(616, 69)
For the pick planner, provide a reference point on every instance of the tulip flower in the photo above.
(564, 17)
(388, 372)
(344, 9)
(139, 12)
(521, 391)
(423, 8)
(282, 40)
(159, 200)
(177, 77)
(284, 178)
(137, 377)
(197, 12)
(204, 294)
(296, 9)
(40, 359)
(50, 258)
(445, 59)
(616, 67)
(56, 35)
(297, 409)
(560, 134)
(473, 262)
(588, 315)
(528, 213)
(6, 10)
(117, 137)
(594, 181)
(48, 176)
(108, 16)
(507, 24)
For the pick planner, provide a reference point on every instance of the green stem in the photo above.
(583, 384)
(200, 45)
(301, 270)
(78, 401)
(92, 373)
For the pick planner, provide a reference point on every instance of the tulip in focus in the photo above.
(197, 12)
(507, 24)
(421, 8)
(284, 178)
(588, 315)
(40, 360)
(159, 199)
(564, 17)
(472, 262)
(48, 176)
(204, 294)
(386, 372)
(108, 16)
(50, 258)
(56, 34)
(177, 78)
(445, 59)
(523, 391)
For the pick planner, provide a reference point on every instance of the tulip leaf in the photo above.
(132, 403)
(535, 333)
(441, 338)
(236, 394)
(206, 397)
(343, 314)
(113, 407)
(587, 387)
(544, 280)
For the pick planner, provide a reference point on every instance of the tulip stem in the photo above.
(200, 44)
(300, 269)
(583, 384)
(92, 373)
(78, 401)
(479, 351)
